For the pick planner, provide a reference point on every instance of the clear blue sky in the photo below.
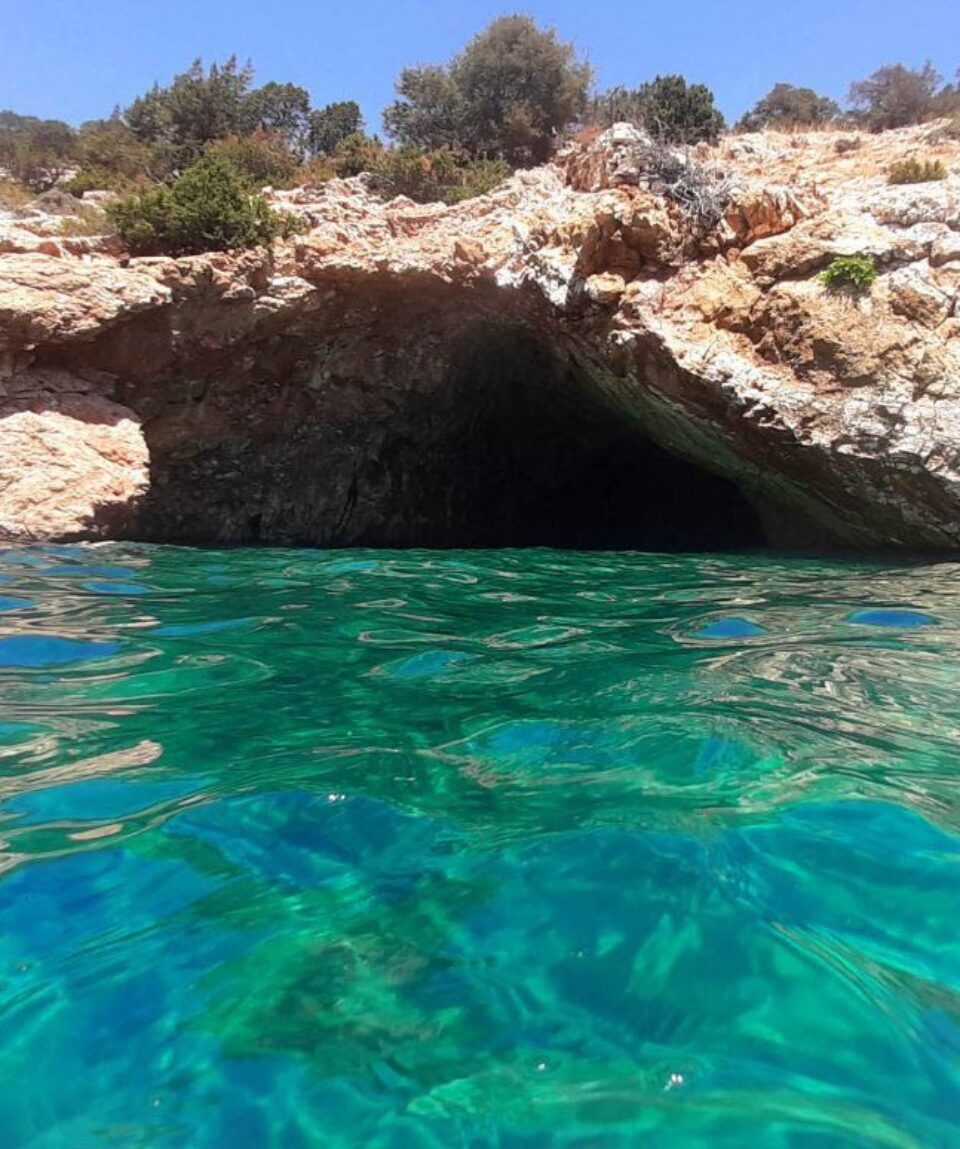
(76, 59)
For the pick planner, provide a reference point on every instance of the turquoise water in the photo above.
(502, 849)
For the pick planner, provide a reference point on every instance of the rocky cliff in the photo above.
(567, 359)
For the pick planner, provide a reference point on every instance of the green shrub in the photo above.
(787, 106)
(669, 108)
(35, 153)
(101, 179)
(442, 176)
(914, 171)
(847, 144)
(850, 272)
(208, 208)
(262, 158)
(356, 153)
(331, 125)
(13, 195)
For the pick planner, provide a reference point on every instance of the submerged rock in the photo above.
(564, 350)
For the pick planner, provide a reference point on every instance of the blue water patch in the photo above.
(717, 754)
(903, 619)
(16, 731)
(50, 650)
(88, 571)
(123, 588)
(98, 798)
(349, 566)
(731, 627)
(430, 662)
(187, 629)
(14, 603)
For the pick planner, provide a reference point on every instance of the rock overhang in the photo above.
(836, 418)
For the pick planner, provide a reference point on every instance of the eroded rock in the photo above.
(402, 368)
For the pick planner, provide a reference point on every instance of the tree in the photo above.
(507, 95)
(895, 96)
(616, 105)
(679, 113)
(947, 102)
(787, 106)
(669, 108)
(208, 208)
(430, 112)
(520, 86)
(355, 154)
(109, 155)
(281, 109)
(200, 105)
(330, 126)
(35, 152)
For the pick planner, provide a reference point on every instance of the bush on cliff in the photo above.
(855, 273)
(788, 106)
(914, 171)
(669, 108)
(331, 125)
(895, 96)
(219, 102)
(505, 96)
(262, 158)
(211, 207)
(443, 176)
(36, 153)
(109, 157)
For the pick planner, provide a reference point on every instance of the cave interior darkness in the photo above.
(534, 456)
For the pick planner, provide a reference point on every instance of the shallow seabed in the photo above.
(475, 849)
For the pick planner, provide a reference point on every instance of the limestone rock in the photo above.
(945, 249)
(72, 465)
(329, 389)
(605, 288)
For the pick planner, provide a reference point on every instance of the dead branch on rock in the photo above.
(703, 194)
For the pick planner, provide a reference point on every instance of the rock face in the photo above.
(562, 360)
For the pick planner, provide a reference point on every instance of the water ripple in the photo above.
(505, 848)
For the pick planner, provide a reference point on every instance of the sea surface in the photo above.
(498, 849)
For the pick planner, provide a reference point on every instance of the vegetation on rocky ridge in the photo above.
(210, 207)
(456, 130)
(669, 108)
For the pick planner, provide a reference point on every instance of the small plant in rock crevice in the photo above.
(855, 273)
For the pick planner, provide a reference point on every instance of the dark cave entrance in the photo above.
(532, 456)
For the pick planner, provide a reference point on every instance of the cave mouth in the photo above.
(533, 455)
